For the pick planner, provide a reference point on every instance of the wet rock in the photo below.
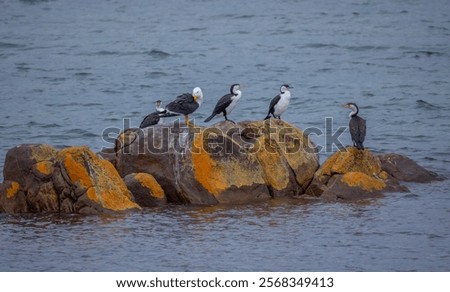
(352, 174)
(31, 166)
(225, 163)
(405, 169)
(74, 180)
(12, 198)
(22, 160)
(108, 154)
(90, 184)
(147, 192)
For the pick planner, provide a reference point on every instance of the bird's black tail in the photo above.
(168, 114)
(268, 117)
(209, 118)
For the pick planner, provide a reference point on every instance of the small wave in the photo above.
(111, 91)
(282, 32)
(155, 74)
(366, 48)
(438, 27)
(80, 132)
(426, 105)
(10, 46)
(244, 16)
(157, 53)
(82, 74)
(50, 126)
(106, 53)
(53, 79)
(33, 2)
(194, 29)
(43, 125)
(319, 46)
(425, 53)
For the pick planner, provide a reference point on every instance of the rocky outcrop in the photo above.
(226, 163)
(352, 174)
(38, 178)
(147, 192)
(405, 169)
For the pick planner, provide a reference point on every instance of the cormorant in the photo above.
(280, 103)
(186, 103)
(227, 103)
(357, 126)
(156, 117)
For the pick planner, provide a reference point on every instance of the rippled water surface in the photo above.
(71, 69)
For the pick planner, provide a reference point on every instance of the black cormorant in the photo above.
(280, 103)
(156, 117)
(227, 103)
(357, 126)
(186, 103)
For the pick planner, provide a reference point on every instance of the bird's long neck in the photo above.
(237, 93)
(354, 112)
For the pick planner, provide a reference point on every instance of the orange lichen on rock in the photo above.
(99, 177)
(206, 169)
(217, 174)
(73, 159)
(351, 160)
(148, 181)
(12, 190)
(362, 180)
(274, 166)
(45, 167)
(288, 144)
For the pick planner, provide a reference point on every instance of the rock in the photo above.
(108, 154)
(74, 180)
(146, 190)
(12, 198)
(90, 185)
(31, 166)
(225, 163)
(405, 169)
(352, 174)
(353, 186)
(23, 159)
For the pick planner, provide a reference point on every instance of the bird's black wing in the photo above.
(362, 129)
(274, 101)
(184, 104)
(223, 103)
(150, 120)
(358, 129)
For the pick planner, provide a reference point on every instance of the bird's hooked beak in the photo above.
(345, 105)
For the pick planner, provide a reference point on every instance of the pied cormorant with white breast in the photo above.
(186, 104)
(280, 103)
(357, 126)
(156, 118)
(226, 103)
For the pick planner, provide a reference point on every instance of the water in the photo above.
(69, 70)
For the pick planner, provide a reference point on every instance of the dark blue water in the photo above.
(71, 69)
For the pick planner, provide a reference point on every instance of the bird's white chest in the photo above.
(234, 101)
(282, 104)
